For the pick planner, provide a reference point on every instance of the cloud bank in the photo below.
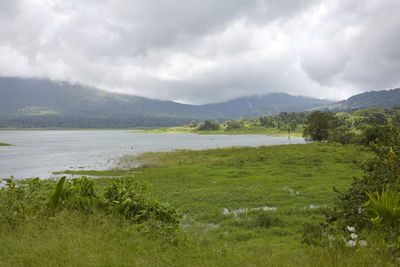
(205, 51)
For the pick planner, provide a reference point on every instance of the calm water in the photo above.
(39, 153)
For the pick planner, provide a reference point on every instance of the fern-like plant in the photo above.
(386, 205)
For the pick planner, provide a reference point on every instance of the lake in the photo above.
(39, 153)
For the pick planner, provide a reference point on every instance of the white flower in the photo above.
(351, 243)
(353, 236)
(351, 228)
(360, 210)
(362, 243)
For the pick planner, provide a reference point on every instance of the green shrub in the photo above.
(125, 197)
(131, 200)
(386, 207)
(11, 203)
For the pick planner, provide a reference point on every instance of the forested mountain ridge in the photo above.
(382, 99)
(29, 102)
(44, 103)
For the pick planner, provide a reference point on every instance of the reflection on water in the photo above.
(39, 153)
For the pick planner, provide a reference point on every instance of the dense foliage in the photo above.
(360, 127)
(320, 125)
(282, 121)
(125, 198)
(371, 205)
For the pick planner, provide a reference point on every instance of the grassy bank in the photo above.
(241, 207)
(246, 130)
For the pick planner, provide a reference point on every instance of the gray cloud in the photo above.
(205, 51)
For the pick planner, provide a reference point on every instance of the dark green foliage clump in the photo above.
(126, 198)
(131, 200)
(320, 125)
(208, 126)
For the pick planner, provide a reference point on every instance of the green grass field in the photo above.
(241, 207)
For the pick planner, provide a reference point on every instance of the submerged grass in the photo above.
(242, 207)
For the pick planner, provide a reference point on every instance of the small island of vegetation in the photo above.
(4, 144)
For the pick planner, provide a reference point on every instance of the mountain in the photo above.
(43, 103)
(273, 103)
(381, 99)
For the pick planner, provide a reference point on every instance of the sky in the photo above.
(205, 51)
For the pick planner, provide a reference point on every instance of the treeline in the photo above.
(361, 127)
(281, 121)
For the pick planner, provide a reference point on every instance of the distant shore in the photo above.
(252, 130)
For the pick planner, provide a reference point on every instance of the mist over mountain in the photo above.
(267, 104)
(44, 103)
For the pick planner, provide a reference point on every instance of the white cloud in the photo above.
(205, 51)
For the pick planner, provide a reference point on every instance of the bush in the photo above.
(343, 135)
(208, 126)
(132, 202)
(125, 197)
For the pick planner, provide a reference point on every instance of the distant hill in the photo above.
(273, 103)
(44, 103)
(381, 99)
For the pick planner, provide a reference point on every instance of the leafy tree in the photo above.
(343, 135)
(384, 133)
(369, 116)
(208, 126)
(193, 124)
(230, 125)
(266, 121)
(320, 125)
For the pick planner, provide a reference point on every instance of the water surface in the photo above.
(39, 153)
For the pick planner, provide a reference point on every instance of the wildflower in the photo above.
(362, 243)
(353, 236)
(360, 210)
(351, 243)
(351, 228)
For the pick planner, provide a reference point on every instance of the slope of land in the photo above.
(273, 103)
(381, 99)
(36, 103)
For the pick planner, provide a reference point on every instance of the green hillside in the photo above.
(38, 103)
(381, 99)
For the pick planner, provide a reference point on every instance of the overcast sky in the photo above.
(202, 51)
